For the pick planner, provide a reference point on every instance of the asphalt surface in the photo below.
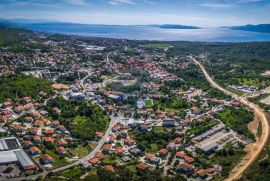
(260, 143)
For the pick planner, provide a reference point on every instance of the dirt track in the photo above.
(253, 149)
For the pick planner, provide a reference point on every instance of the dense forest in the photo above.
(9, 36)
(18, 86)
(236, 119)
(81, 118)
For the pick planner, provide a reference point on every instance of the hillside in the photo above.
(262, 28)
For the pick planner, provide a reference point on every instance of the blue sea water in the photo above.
(151, 32)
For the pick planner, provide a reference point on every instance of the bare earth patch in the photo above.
(266, 100)
(267, 73)
(59, 86)
(253, 125)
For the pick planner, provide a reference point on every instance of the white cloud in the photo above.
(247, 1)
(116, 2)
(149, 2)
(75, 2)
(217, 5)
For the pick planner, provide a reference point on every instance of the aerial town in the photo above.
(115, 105)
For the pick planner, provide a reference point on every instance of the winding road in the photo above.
(258, 146)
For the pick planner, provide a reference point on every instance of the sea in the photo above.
(151, 32)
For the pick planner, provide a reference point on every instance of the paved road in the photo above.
(260, 143)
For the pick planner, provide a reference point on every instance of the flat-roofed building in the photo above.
(11, 153)
(7, 157)
(24, 160)
(208, 148)
(3, 145)
(9, 143)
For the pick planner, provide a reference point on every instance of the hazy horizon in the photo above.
(203, 13)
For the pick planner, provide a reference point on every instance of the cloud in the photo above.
(117, 2)
(228, 5)
(43, 3)
(75, 2)
(247, 1)
(149, 2)
(217, 5)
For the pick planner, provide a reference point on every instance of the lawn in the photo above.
(235, 91)
(250, 82)
(148, 103)
(59, 160)
(131, 167)
(157, 45)
(81, 150)
(72, 173)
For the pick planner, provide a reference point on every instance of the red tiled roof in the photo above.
(19, 108)
(119, 150)
(99, 155)
(93, 161)
(180, 154)
(148, 156)
(38, 122)
(112, 138)
(7, 112)
(34, 149)
(109, 168)
(116, 127)
(177, 140)
(61, 142)
(28, 106)
(48, 131)
(184, 165)
(163, 151)
(189, 159)
(29, 118)
(106, 147)
(48, 139)
(128, 141)
(60, 149)
(142, 166)
(7, 103)
(203, 172)
(46, 157)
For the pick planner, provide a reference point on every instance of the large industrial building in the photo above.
(12, 153)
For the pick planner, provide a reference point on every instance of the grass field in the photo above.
(148, 103)
(72, 173)
(250, 82)
(82, 151)
(59, 160)
(157, 45)
(235, 91)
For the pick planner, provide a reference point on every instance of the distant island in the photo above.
(262, 28)
(164, 32)
(174, 26)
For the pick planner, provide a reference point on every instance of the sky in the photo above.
(203, 13)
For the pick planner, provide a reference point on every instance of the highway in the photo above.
(261, 142)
